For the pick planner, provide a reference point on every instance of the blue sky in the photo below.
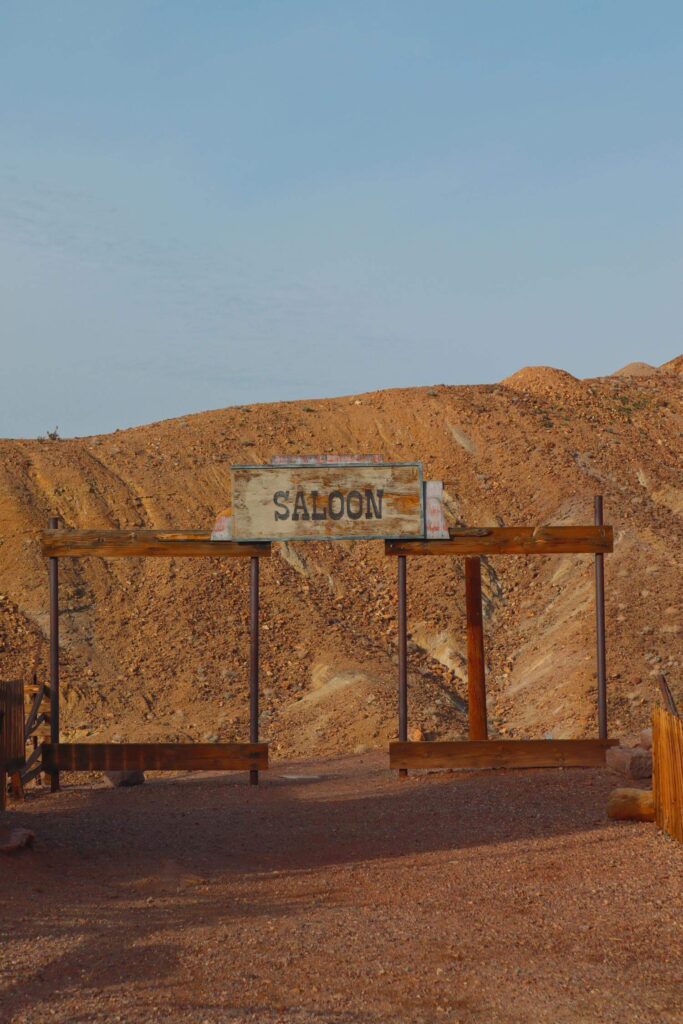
(210, 203)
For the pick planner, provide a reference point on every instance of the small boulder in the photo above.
(127, 778)
(635, 762)
(646, 738)
(416, 734)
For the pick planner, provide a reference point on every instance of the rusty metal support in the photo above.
(402, 656)
(253, 659)
(53, 576)
(600, 628)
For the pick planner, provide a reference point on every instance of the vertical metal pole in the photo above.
(53, 575)
(600, 627)
(253, 658)
(402, 656)
(476, 666)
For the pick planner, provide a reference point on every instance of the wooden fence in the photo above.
(667, 749)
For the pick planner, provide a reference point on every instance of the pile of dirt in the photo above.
(544, 380)
(157, 649)
(635, 370)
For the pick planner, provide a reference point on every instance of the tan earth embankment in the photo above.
(157, 650)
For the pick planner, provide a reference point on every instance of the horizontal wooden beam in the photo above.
(147, 543)
(512, 540)
(500, 754)
(154, 757)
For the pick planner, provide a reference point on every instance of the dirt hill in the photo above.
(157, 649)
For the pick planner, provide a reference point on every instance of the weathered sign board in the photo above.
(328, 502)
(322, 460)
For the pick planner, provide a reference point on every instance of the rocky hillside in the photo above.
(157, 649)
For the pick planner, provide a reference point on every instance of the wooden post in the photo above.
(476, 671)
(53, 571)
(3, 755)
(402, 655)
(253, 659)
(600, 628)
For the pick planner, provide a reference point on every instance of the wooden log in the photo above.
(631, 805)
(512, 540)
(500, 754)
(146, 543)
(476, 668)
(158, 757)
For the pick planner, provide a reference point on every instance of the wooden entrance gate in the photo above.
(468, 542)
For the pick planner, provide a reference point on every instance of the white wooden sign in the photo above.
(327, 502)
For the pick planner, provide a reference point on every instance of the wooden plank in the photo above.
(30, 774)
(147, 543)
(667, 781)
(500, 754)
(12, 741)
(436, 527)
(476, 668)
(158, 757)
(331, 502)
(512, 540)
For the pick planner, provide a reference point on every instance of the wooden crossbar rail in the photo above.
(157, 757)
(149, 543)
(500, 754)
(511, 540)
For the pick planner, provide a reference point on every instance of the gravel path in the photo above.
(340, 895)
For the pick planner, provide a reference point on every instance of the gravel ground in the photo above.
(336, 894)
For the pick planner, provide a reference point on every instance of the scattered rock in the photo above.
(15, 839)
(127, 778)
(416, 734)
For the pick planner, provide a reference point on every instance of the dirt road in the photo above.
(336, 894)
